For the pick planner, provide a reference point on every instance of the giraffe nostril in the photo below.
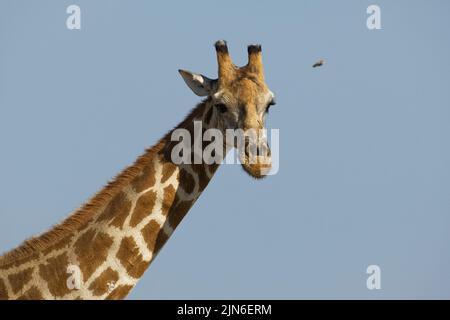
(247, 147)
(259, 151)
(247, 152)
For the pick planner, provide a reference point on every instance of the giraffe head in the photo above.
(239, 99)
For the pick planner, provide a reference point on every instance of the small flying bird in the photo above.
(319, 63)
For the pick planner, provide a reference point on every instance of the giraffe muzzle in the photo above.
(256, 158)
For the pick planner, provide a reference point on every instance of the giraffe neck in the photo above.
(101, 251)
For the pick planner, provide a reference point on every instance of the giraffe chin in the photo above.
(259, 169)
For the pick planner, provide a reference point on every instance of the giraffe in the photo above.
(112, 239)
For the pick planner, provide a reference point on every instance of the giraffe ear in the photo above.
(199, 84)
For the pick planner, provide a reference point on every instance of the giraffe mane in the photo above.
(87, 211)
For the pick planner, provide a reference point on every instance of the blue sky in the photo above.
(364, 158)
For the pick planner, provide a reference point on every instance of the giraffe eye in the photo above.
(221, 107)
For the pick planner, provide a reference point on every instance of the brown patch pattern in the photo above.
(63, 243)
(116, 211)
(119, 293)
(20, 261)
(187, 181)
(130, 257)
(100, 285)
(150, 233)
(168, 199)
(143, 207)
(54, 272)
(3, 291)
(92, 249)
(160, 241)
(146, 179)
(20, 279)
(167, 171)
(31, 294)
(84, 216)
(203, 179)
(178, 212)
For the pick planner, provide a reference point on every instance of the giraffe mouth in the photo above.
(256, 160)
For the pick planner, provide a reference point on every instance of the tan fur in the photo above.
(86, 212)
(103, 197)
(100, 285)
(244, 91)
(114, 237)
(110, 207)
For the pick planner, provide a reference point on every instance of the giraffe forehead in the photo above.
(244, 92)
